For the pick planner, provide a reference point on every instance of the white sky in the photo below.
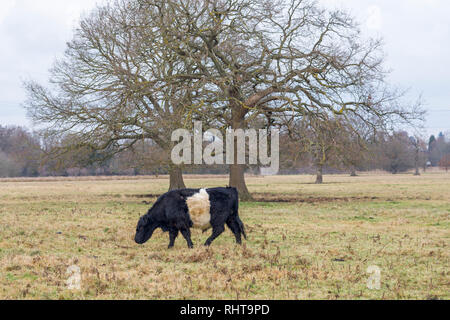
(416, 35)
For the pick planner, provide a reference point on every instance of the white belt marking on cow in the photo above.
(200, 210)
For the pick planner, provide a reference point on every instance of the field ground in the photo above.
(306, 241)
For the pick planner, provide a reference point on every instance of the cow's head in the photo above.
(144, 230)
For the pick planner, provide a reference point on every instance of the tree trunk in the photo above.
(237, 180)
(319, 178)
(353, 173)
(237, 171)
(176, 178)
(417, 173)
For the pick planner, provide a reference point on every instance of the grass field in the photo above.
(306, 241)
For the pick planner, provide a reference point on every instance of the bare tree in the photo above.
(113, 87)
(322, 139)
(275, 56)
(419, 147)
(353, 138)
(445, 162)
(397, 152)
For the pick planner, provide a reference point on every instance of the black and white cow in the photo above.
(180, 210)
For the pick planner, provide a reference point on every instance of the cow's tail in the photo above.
(241, 226)
(236, 213)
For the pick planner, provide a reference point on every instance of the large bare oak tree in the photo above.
(114, 88)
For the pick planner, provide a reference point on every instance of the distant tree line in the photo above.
(439, 151)
(316, 148)
(20, 152)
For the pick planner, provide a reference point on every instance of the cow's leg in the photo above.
(217, 231)
(173, 234)
(234, 227)
(187, 235)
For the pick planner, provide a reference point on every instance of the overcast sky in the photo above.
(416, 35)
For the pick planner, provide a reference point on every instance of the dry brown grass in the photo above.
(106, 178)
(306, 241)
